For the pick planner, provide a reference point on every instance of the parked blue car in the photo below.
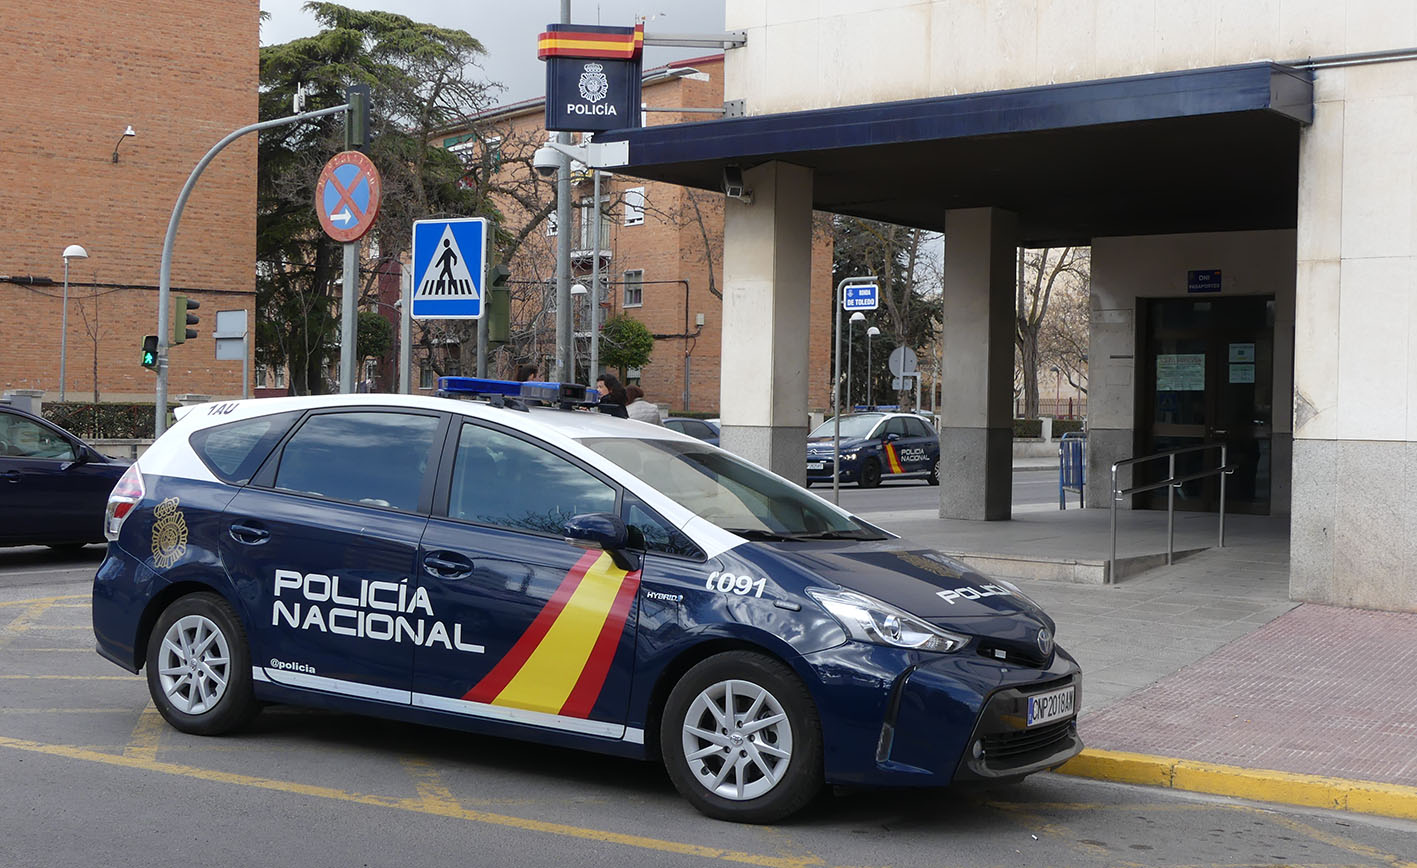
(876, 446)
(53, 486)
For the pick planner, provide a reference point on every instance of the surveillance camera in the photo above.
(733, 186)
(546, 161)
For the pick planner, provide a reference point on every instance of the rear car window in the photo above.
(234, 451)
(367, 457)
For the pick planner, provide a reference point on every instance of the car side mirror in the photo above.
(892, 436)
(81, 456)
(601, 530)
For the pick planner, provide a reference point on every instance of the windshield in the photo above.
(851, 426)
(730, 492)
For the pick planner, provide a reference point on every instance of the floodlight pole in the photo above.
(164, 286)
(836, 388)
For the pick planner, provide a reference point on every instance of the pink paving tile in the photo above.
(1320, 690)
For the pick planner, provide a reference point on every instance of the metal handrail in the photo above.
(1170, 483)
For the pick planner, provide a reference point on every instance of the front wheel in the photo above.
(199, 667)
(741, 739)
(870, 474)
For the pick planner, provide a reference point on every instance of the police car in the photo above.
(875, 446)
(566, 577)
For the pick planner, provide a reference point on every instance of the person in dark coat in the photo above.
(612, 396)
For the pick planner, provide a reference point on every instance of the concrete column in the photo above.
(976, 418)
(767, 260)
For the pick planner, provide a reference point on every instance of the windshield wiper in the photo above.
(854, 533)
(760, 535)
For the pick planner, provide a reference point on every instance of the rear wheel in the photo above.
(199, 667)
(870, 474)
(741, 739)
(934, 478)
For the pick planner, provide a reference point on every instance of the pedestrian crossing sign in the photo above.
(449, 259)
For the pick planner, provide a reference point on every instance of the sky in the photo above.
(508, 28)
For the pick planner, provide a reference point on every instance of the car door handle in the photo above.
(447, 565)
(249, 534)
(11, 475)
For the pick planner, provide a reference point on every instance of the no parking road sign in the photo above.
(347, 196)
(449, 259)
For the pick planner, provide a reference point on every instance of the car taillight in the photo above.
(121, 501)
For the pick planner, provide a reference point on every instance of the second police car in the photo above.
(875, 446)
(568, 578)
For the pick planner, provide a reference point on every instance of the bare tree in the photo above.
(1039, 272)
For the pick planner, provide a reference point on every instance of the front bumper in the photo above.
(849, 469)
(896, 718)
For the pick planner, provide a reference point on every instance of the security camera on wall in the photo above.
(733, 186)
(546, 161)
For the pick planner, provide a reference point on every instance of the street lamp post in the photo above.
(73, 251)
(870, 385)
(851, 333)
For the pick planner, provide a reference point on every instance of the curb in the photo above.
(1262, 785)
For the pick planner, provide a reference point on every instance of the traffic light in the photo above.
(182, 318)
(356, 129)
(150, 352)
(499, 305)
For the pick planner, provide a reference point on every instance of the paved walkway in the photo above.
(1204, 675)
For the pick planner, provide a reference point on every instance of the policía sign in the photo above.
(592, 76)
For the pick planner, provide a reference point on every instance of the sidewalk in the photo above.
(1204, 675)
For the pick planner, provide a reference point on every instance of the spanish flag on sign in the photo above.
(586, 40)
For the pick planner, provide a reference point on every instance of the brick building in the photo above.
(661, 254)
(76, 75)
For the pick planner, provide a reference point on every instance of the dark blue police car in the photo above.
(875, 446)
(569, 578)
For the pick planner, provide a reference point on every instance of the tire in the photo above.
(870, 474)
(203, 690)
(934, 477)
(778, 767)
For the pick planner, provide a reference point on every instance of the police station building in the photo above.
(1245, 171)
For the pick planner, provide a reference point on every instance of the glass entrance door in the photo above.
(1208, 377)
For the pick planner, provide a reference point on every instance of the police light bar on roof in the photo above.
(551, 393)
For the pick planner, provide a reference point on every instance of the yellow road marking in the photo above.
(142, 744)
(429, 784)
(1343, 843)
(414, 805)
(66, 711)
(23, 621)
(55, 650)
(33, 600)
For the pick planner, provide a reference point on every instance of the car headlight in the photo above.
(849, 455)
(867, 619)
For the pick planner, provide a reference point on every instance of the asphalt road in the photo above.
(1032, 490)
(90, 774)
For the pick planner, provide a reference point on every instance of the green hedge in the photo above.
(103, 421)
(1026, 429)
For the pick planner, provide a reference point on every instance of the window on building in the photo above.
(425, 377)
(635, 206)
(551, 226)
(634, 288)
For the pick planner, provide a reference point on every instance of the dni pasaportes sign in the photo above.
(592, 76)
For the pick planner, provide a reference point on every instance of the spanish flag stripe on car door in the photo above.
(893, 459)
(561, 659)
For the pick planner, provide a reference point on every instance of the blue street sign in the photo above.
(449, 259)
(861, 296)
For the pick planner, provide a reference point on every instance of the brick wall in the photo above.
(183, 73)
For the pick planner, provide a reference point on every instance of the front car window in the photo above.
(731, 493)
(23, 438)
(859, 425)
(505, 481)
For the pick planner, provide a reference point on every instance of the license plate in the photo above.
(1050, 706)
(816, 465)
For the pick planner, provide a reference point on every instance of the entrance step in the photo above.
(1061, 569)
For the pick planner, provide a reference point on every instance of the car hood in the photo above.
(824, 444)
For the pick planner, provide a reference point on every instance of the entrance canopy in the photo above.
(1197, 150)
